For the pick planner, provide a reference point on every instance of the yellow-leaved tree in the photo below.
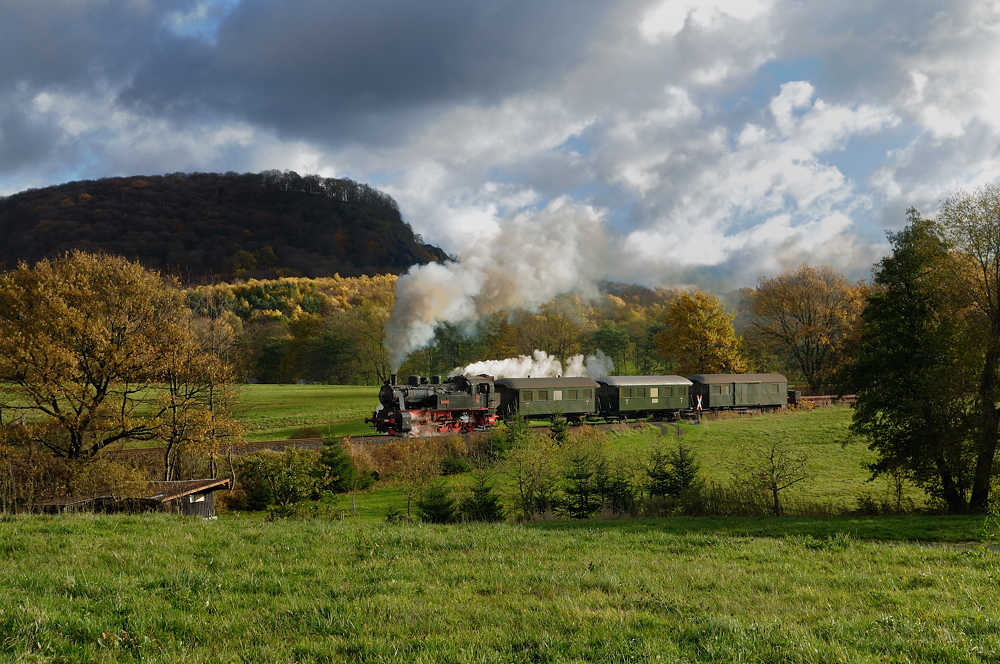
(698, 336)
(87, 343)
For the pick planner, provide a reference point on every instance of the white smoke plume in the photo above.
(533, 257)
(540, 365)
(597, 365)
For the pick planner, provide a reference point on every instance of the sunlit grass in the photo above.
(162, 589)
(277, 412)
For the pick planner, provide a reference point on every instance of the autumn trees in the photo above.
(971, 222)
(81, 339)
(810, 315)
(96, 350)
(698, 336)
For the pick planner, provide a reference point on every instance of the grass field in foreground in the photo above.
(161, 589)
(278, 412)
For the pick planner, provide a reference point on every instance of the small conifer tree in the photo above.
(582, 497)
(482, 504)
(340, 469)
(659, 472)
(437, 505)
(559, 428)
(683, 473)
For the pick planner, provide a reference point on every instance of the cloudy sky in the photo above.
(699, 142)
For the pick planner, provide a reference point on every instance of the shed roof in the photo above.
(629, 381)
(164, 491)
(545, 383)
(66, 501)
(738, 378)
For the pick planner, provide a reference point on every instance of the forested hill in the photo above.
(251, 225)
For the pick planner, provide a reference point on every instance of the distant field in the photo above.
(160, 589)
(838, 476)
(277, 412)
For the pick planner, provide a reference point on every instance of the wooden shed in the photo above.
(190, 497)
(193, 497)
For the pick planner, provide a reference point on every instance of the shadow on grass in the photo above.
(917, 528)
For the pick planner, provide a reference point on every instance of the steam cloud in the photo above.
(533, 257)
(540, 365)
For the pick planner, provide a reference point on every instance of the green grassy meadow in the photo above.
(160, 589)
(279, 412)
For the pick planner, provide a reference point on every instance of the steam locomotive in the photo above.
(462, 403)
(466, 403)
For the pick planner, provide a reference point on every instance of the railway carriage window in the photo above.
(774, 388)
(587, 394)
(725, 389)
(715, 389)
(668, 391)
(572, 395)
(543, 395)
(654, 392)
(626, 392)
(527, 395)
(557, 395)
(640, 391)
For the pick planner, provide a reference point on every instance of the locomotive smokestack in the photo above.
(534, 257)
(392, 379)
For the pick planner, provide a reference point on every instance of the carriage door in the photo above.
(740, 394)
(753, 394)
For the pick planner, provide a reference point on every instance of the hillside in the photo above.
(251, 225)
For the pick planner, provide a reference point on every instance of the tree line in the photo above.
(803, 323)
(925, 369)
(200, 226)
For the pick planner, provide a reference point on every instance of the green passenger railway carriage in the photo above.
(740, 391)
(541, 398)
(659, 397)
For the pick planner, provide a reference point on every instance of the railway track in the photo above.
(666, 428)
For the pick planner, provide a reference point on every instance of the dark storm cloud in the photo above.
(76, 45)
(22, 141)
(329, 70)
